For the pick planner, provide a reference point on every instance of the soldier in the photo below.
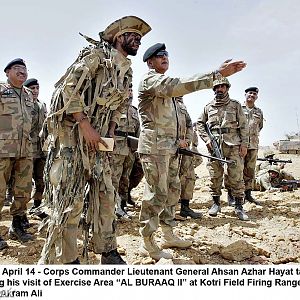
(15, 146)
(227, 122)
(187, 163)
(85, 107)
(263, 166)
(122, 159)
(39, 159)
(158, 144)
(270, 181)
(254, 116)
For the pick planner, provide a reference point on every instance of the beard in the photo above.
(220, 95)
(127, 47)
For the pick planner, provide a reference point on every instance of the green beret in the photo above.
(153, 50)
(16, 61)
(252, 89)
(31, 81)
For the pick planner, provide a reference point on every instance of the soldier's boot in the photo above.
(172, 241)
(216, 207)
(74, 262)
(34, 210)
(149, 247)
(3, 243)
(230, 198)
(112, 257)
(239, 211)
(186, 211)
(248, 197)
(129, 199)
(25, 222)
(17, 232)
(121, 212)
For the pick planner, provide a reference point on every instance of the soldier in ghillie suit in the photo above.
(16, 146)
(158, 145)
(123, 156)
(254, 116)
(86, 106)
(227, 122)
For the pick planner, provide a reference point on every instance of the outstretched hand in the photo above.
(230, 67)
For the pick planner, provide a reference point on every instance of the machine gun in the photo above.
(275, 160)
(188, 152)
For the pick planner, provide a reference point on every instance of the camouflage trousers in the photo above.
(187, 177)
(121, 166)
(75, 185)
(249, 168)
(21, 170)
(233, 173)
(162, 191)
(38, 177)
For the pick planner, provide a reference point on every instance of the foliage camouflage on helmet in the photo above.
(274, 168)
(222, 80)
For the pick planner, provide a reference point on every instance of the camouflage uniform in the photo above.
(228, 124)
(122, 159)
(16, 145)
(254, 118)
(264, 182)
(158, 144)
(97, 84)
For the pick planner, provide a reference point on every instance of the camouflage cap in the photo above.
(268, 153)
(31, 81)
(273, 168)
(222, 80)
(16, 61)
(125, 24)
(252, 89)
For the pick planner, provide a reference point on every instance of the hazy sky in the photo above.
(199, 35)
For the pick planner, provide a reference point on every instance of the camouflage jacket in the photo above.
(129, 125)
(159, 127)
(228, 123)
(97, 84)
(15, 122)
(255, 119)
(38, 118)
(265, 183)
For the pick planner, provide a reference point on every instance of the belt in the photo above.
(124, 133)
(223, 130)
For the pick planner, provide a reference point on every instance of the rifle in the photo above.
(216, 150)
(275, 160)
(288, 185)
(188, 152)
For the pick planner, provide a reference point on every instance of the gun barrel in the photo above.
(275, 160)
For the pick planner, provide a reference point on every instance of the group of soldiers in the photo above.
(86, 188)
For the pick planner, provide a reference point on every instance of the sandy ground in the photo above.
(272, 236)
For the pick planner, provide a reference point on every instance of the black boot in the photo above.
(230, 198)
(74, 262)
(3, 244)
(24, 222)
(216, 207)
(17, 231)
(239, 209)
(248, 197)
(36, 211)
(112, 258)
(36, 204)
(129, 199)
(186, 211)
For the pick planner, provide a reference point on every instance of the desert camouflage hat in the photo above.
(222, 80)
(268, 153)
(273, 168)
(125, 24)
